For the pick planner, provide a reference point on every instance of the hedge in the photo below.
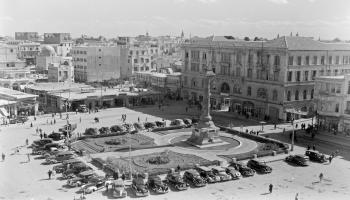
(167, 128)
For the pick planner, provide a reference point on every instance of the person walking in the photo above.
(270, 187)
(321, 177)
(308, 147)
(27, 141)
(296, 196)
(330, 159)
(41, 136)
(54, 121)
(3, 157)
(28, 156)
(49, 173)
(313, 147)
(31, 125)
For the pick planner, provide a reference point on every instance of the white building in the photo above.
(332, 98)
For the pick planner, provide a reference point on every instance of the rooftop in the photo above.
(50, 87)
(15, 94)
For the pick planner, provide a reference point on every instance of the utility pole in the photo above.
(292, 146)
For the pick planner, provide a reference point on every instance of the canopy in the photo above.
(4, 112)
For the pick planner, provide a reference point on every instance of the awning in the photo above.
(294, 111)
(4, 112)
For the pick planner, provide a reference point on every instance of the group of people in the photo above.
(251, 132)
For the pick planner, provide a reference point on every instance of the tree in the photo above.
(246, 38)
(91, 131)
(256, 39)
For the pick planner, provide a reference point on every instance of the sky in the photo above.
(326, 19)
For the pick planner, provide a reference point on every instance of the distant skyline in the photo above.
(326, 19)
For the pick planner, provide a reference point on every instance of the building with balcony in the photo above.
(142, 57)
(62, 71)
(100, 63)
(271, 79)
(27, 36)
(332, 99)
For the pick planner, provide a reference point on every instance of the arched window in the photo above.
(261, 93)
(288, 95)
(225, 88)
(304, 94)
(274, 95)
(312, 94)
(249, 91)
(297, 95)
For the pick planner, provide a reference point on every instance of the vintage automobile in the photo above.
(139, 126)
(83, 108)
(259, 166)
(129, 127)
(160, 124)
(139, 186)
(195, 121)
(118, 128)
(118, 189)
(76, 181)
(177, 122)
(75, 169)
(41, 143)
(187, 121)
(316, 156)
(63, 167)
(207, 174)
(193, 176)
(48, 146)
(156, 184)
(93, 185)
(150, 125)
(235, 174)
(49, 162)
(56, 136)
(64, 155)
(221, 172)
(176, 180)
(243, 169)
(300, 160)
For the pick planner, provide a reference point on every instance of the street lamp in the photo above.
(292, 146)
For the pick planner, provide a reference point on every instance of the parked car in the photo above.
(118, 128)
(300, 160)
(118, 189)
(150, 125)
(156, 184)
(76, 169)
(195, 121)
(177, 122)
(316, 156)
(259, 166)
(176, 180)
(22, 119)
(49, 162)
(243, 169)
(160, 124)
(129, 127)
(207, 174)
(188, 122)
(47, 147)
(56, 136)
(93, 186)
(194, 177)
(221, 173)
(63, 167)
(42, 142)
(235, 174)
(76, 182)
(139, 126)
(64, 155)
(139, 186)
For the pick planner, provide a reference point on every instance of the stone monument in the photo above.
(206, 133)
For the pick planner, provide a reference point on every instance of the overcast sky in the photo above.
(265, 18)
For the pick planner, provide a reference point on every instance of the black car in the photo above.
(243, 169)
(300, 160)
(150, 125)
(42, 142)
(48, 146)
(316, 156)
(175, 179)
(160, 124)
(195, 121)
(56, 136)
(194, 177)
(156, 184)
(259, 166)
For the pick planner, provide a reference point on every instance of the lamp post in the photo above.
(292, 146)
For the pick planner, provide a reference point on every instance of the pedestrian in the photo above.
(296, 126)
(37, 130)
(308, 147)
(330, 159)
(54, 121)
(123, 176)
(28, 156)
(275, 126)
(178, 168)
(49, 173)
(51, 122)
(34, 118)
(270, 188)
(284, 130)
(138, 119)
(45, 136)
(27, 141)
(246, 131)
(31, 125)
(47, 121)
(41, 136)
(321, 177)
(296, 196)
(3, 157)
(313, 147)
(146, 119)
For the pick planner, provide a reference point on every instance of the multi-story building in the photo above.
(142, 57)
(332, 98)
(61, 42)
(62, 71)
(265, 79)
(99, 63)
(13, 72)
(46, 56)
(27, 50)
(28, 36)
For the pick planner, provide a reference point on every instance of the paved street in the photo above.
(28, 180)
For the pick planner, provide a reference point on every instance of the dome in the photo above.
(47, 50)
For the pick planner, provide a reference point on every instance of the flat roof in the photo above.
(15, 94)
(58, 86)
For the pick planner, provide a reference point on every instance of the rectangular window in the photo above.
(313, 74)
(299, 60)
(306, 75)
(330, 60)
(250, 60)
(195, 55)
(239, 59)
(322, 60)
(335, 72)
(297, 78)
(225, 57)
(337, 107)
(290, 60)
(289, 76)
(276, 62)
(250, 73)
(321, 72)
(307, 60)
(337, 60)
(204, 56)
(238, 71)
(276, 75)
